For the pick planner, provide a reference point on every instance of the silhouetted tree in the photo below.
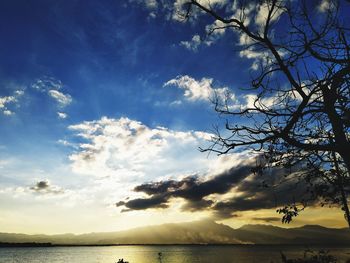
(301, 73)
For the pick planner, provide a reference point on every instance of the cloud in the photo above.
(62, 115)
(151, 5)
(191, 188)
(53, 87)
(232, 191)
(44, 187)
(6, 101)
(67, 143)
(264, 192)
(199, 90)
(47, 83)
(204, 90)
(8, 112)
(179, 8)
(193, 44)
(196, 40)
(129, 150)
(62, 99)
(252, 15)
(325, 5)
(261, 14)
(141, 203)
(126, 153)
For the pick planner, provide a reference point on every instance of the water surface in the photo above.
(149, 254)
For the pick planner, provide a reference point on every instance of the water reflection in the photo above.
(150, 254)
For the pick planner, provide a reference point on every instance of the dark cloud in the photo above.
(44, 187)
(197, 205)
(141, 204)
(254, 191)
(191, 189)
(270, 190)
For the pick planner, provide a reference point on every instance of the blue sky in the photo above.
(76, 78)
(111, 58)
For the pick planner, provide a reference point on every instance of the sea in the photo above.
(164, 254)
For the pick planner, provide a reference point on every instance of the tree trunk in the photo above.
(341, 142)
(340, 180)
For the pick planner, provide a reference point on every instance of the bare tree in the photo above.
(301, 112)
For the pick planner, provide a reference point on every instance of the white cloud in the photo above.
(10, 100)
(262, 12)
(67, 143)
(214, 32)
(152, 4)
(62, 99)
(193, 44)
(47, 83)
(8, 112)
(203, 90)
(179, 7)
(19, 93)
(195, 90)
(6, 100)
(252, 14)
(149, 4)
(62, 115)
(53, 87)
(217, 28)
(130, 151)
(258, 57)
(258, 15)
(209, 39)
(325, 5)
(252, 101)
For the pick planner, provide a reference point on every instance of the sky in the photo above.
(103, 103)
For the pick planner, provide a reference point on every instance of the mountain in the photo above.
(197, 232)
(308, 234)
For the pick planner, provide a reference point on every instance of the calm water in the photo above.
(149, 254)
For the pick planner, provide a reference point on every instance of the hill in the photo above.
(197, 232)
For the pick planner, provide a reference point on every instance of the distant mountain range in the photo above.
(197, 232)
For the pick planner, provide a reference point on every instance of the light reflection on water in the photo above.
(149, 254)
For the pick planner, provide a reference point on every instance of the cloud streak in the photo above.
(62, 99)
